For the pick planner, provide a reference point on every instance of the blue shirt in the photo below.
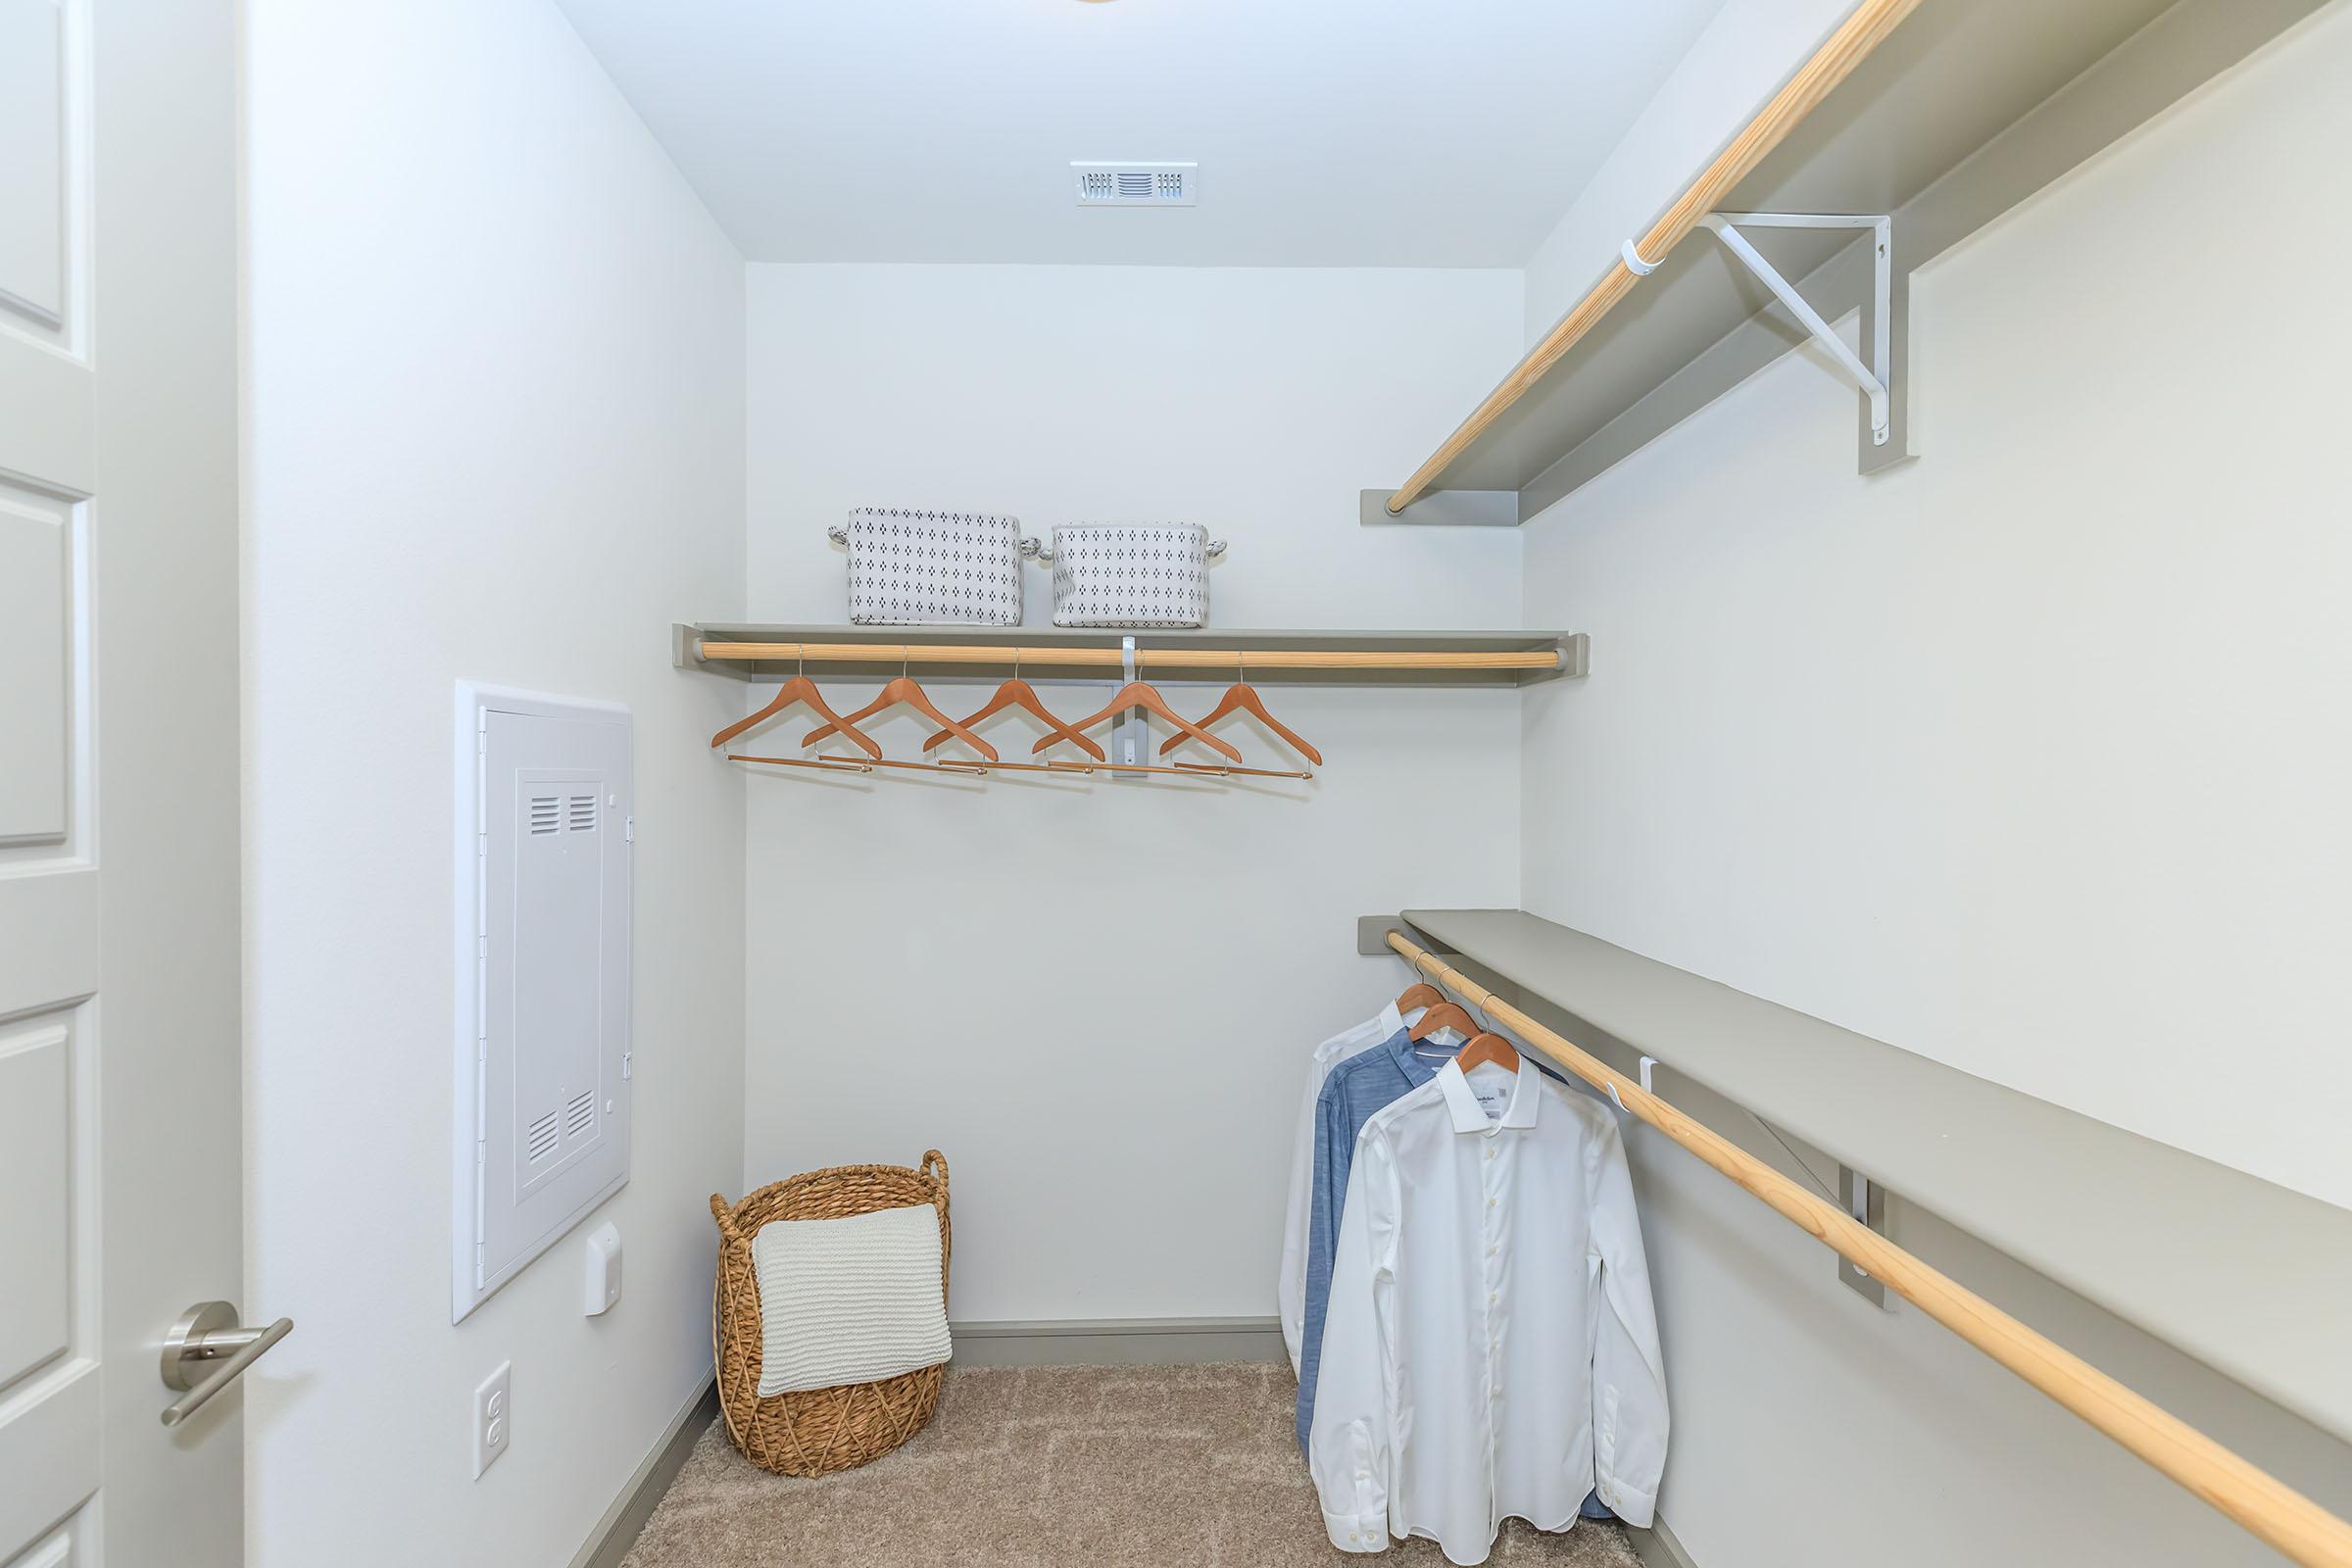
(1354, 1090)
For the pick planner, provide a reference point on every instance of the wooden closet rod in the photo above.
(1861, 33)
(2267, 1507)
(1211, 659)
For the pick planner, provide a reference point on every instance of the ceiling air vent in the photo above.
(1137, 184)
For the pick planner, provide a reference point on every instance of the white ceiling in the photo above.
(1329, 132)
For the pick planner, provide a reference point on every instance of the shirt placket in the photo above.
(1493, 1167)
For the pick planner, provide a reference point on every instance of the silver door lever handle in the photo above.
(207, 1334)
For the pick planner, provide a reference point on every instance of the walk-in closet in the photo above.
(1174, 784)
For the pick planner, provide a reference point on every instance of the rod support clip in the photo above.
(1648, 1066)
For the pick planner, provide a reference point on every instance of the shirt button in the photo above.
(1492, 1297)
(1490, 1202)
(1491, 1250)
(1490, 1153)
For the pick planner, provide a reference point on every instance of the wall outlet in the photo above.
(492, 1417)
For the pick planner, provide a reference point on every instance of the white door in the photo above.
(120, 1078)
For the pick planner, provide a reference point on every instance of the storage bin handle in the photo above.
(1045, 552)
(838, 533)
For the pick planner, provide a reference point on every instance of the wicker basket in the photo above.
(822, 1430)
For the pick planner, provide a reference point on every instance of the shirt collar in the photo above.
(1417, 1068)
(1518, 1111)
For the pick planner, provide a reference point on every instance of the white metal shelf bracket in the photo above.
(1877, 378)
(1131, 731)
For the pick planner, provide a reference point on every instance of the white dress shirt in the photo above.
(1290, 1293)
(1491, 1348)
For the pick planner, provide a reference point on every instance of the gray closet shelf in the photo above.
(1966, 109)
(767, 652)
(2246, 1276)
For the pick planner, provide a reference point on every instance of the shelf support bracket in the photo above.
(1877, 378)
(1866, 1200)
(1130, 732)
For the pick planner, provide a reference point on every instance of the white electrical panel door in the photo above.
(543, 1128)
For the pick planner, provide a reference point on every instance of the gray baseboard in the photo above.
(616, 1532)
(1657, 1548)
(1118, 1341)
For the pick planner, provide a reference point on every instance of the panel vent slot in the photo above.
(580, 1114)
(543, 1138)
(545, 813)
(583, 813)
(1137, 184)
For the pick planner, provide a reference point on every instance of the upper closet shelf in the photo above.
(1044, 653)
(2107, 1213)
(1905, 137)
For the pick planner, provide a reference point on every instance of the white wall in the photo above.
(2029, 757)
(495, 430)
(1095, 997)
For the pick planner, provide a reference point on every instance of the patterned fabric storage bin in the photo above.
(1132, 575)
(933, 568)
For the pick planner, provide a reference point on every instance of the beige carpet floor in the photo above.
(1059, 1467)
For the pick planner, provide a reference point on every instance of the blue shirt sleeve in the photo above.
(1335, 1151)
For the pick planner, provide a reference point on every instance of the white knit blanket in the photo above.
(849, 1301)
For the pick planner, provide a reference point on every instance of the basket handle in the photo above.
(931, 1157)
(726, 1405)
(838, 533)
(720, 1211)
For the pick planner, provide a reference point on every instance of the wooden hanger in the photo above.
(822, 764)
(800, 689)
(1420, 994)
(1486, 1045)
(1140, 693)
(1018, 692)
(862, 764)
(903, 690)
(1444, 1015)
(1241, 697)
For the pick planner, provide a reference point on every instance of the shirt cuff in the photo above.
(1634, 1506)
(1350, 1532)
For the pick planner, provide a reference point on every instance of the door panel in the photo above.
(37, 1196)
(120, 1083)
(36, 666)
(32, 175)
(51, 1413)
